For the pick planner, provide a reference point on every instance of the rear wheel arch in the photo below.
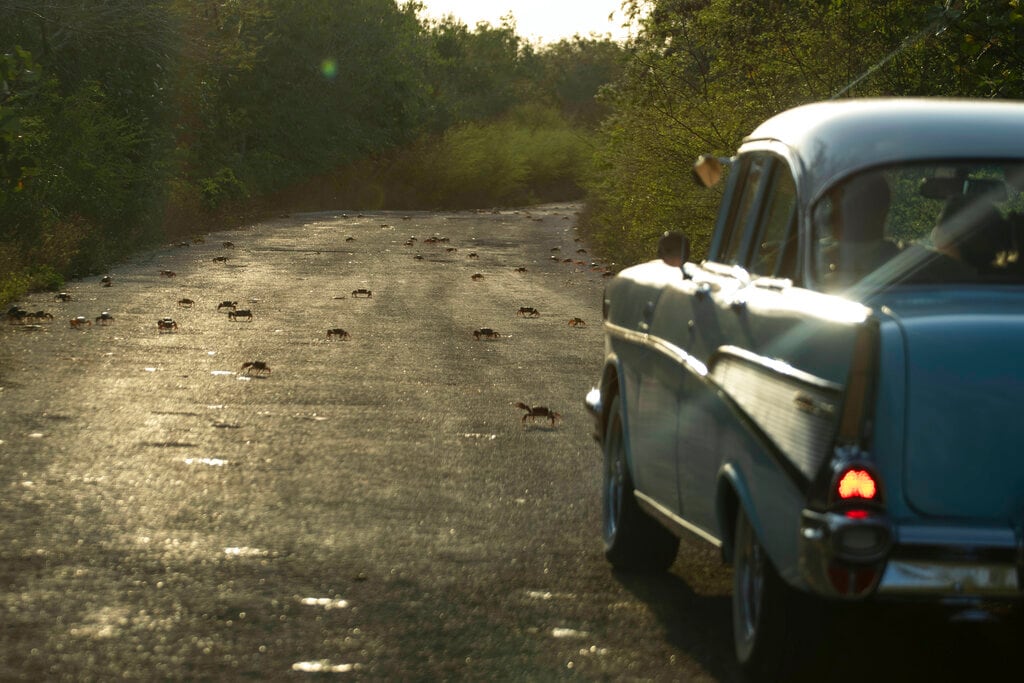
(727, 503)
(733, 496)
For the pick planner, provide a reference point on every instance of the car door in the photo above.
(653, 423)
(776, 354)
(688, 325)
(631, 301)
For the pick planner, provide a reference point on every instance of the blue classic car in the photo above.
(833, 396)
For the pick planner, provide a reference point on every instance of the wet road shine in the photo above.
(254, 497)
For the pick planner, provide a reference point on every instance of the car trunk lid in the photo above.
(964, 438)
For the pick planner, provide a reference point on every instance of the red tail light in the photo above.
(852, 581)
(857, 484)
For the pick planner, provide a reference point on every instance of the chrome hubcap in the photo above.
(749, 583)
(613, 477)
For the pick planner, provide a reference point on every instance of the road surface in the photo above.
(371, 507)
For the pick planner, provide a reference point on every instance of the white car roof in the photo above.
(831, 140)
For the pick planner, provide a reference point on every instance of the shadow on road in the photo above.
(697, 625)
(883, 642)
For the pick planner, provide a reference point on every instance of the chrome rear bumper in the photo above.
(954, 561)
(952, 579)
(926, 561)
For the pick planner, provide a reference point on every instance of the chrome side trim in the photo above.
(775, 366)
(658, 344)
(795, 410)
(674, 522)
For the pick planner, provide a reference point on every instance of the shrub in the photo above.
(221, 187)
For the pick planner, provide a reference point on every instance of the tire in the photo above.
(777, 630)
(633, 541)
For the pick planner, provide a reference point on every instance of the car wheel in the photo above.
(632, 539)
(777, 630)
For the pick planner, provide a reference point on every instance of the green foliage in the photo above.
(530, 155)
(223, 186)
(477, 74)
(572, 72)
(14, 285)
(45, 278)
(128, 122)
(18, 80)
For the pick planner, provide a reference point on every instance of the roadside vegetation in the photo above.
(130, 123)
(703, 73)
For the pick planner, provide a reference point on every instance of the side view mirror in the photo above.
(674, 248)
(707, 170)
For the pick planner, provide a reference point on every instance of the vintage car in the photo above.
(833, 396)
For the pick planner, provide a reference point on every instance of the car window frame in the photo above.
(752, 224)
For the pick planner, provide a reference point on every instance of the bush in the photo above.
(223, 186)
(39, 279)
(533, 154)
(45, 279)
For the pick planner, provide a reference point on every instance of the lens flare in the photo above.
(329, 68)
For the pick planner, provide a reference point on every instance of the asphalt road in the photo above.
(372, 508)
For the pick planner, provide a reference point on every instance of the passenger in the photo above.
(859, 208)
(963, 244)
(973, 231)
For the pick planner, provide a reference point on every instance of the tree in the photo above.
(703, 73)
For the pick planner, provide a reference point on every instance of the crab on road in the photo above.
(255, 366)
(486, 333)
(533, 412)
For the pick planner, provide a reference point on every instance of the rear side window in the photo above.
(775, 247)
(760, 231)
(754, 175)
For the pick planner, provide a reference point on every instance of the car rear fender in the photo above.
(732, 495)
(750, 478)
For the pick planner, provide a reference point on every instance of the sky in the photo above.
(539, 21)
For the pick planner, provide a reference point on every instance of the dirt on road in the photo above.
(368, 504)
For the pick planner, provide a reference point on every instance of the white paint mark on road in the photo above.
(482, 437)
(559, 632)
(245, 551)
(321, 666)
(212, 462)
(326, 603)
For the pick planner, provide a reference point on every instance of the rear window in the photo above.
(923, 224)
